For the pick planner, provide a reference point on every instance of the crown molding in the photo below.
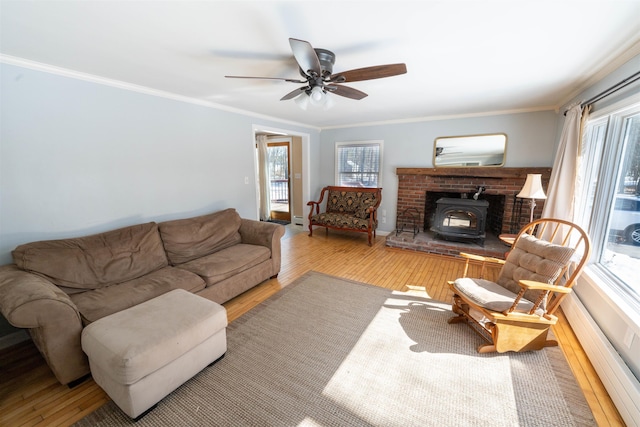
(618, 59)
(92, 78)
(613, 62)
(447, 117)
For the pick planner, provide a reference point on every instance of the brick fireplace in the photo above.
(500, 187)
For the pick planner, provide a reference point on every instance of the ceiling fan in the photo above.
(316, 67)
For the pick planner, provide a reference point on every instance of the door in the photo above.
(279, 167)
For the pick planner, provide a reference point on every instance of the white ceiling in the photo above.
(463, 57)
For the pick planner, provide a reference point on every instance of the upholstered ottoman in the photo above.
(140, 355)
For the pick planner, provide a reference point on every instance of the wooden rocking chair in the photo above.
(515, 312)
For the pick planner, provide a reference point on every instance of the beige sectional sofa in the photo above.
(56, 287)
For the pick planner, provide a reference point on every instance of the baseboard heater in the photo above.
(621, 384)
(297, 220)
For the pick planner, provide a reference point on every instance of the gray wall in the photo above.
(530, 142)
(78, 158)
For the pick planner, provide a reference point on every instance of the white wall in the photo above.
(78, 158)
(530, 142)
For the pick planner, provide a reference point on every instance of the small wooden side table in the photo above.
(508, 239)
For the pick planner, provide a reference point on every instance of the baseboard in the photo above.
(623, 387)
(13, 339)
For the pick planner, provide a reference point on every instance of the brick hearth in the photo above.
(413, 184)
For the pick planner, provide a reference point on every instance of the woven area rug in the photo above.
(327, 351)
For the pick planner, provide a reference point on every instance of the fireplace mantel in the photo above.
(480, 172)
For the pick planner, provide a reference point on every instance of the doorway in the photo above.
(299, 166)
(280, 183)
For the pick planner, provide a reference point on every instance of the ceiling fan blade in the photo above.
(267, 78)
(306, 57)
(294, 93)
(369, 73)
(346, 91)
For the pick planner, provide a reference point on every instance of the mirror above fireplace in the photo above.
(470, 150)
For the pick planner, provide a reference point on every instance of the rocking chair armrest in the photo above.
(540, 286)
(481, 258)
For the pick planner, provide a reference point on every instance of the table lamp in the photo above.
(532, 190)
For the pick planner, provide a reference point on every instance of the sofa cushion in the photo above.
(227, 262)
(187, 239)
(98, 303)
(98, 260)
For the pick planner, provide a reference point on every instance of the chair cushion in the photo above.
(490, 295)
(533, 259)
(362, 213)
(339, 220)
(351, 202)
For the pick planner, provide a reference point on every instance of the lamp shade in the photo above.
(532, 187)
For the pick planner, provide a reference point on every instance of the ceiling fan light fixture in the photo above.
(317, 97)
(302, 101)
(329, 102)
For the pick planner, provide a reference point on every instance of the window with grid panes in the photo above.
(358, 164)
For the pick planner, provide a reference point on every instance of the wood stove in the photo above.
(460, 219)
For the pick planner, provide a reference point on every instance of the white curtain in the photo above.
(562, 189)
(263, 176)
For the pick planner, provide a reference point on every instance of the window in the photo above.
(608, 204)
(358, 164)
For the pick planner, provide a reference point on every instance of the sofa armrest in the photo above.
(266, 234)
(30, 301)
(260, 232)
(54, 323)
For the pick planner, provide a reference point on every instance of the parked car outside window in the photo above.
(625, 220)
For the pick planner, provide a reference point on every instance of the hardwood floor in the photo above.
(30, 395)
